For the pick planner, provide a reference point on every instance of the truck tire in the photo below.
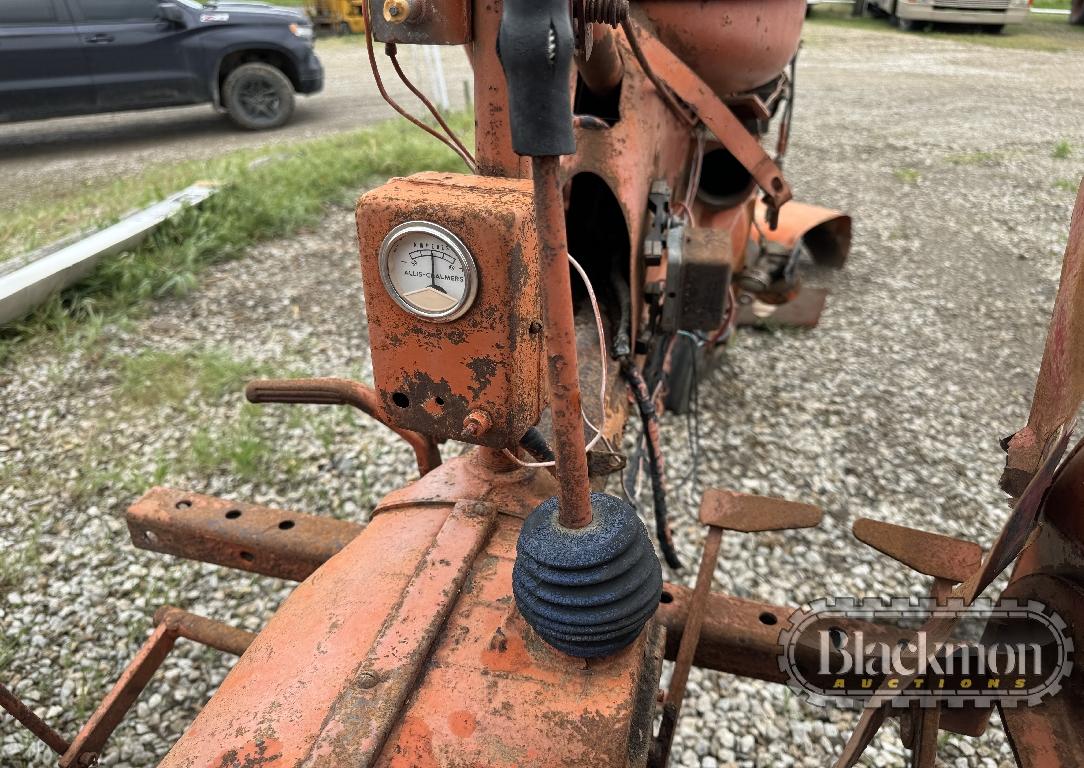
(258, 96)
(908, 25)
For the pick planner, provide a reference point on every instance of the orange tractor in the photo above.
(620, 218)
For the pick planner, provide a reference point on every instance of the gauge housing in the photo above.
(433, 366)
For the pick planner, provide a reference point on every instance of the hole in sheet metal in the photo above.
(183, 504)
(233, 514)
(400, 399)
(666, 598)
(286, 525)
(248, 557)
(768, 618)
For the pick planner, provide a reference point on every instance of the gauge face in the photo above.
(428, 271)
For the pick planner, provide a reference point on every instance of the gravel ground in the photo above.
(54, 156)
(891, 409)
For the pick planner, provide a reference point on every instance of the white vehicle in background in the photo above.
(992, 15)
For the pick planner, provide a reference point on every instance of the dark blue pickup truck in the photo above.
(77, 57)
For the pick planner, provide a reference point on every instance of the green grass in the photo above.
(258, 201)
(17, 562)
(171, 378)
(1062, 150)
(243, 449)
(1041, 32)
(907, 175)
(974, 158)
(1067, 185)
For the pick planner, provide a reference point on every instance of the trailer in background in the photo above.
(991, 15)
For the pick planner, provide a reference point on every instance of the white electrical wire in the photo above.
(602, 386)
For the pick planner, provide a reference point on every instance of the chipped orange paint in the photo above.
(416, 749)
(462, 723)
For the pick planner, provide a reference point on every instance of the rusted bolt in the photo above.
(396, 11)
(367, 680)
(477, 423)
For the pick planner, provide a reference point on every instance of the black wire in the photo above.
(692, 422)
(654, 461)
(535, 444)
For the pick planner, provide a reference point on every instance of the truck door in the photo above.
(137, 57)
(43, 68)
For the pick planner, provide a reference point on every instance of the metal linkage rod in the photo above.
(562, 365)
(10, 702)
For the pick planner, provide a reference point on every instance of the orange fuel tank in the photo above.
(734, 45)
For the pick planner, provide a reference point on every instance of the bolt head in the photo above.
(396, 11)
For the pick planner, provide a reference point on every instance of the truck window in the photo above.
(118, 10)
(22, 12)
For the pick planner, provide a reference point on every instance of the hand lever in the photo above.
(329, 391)
(535, 46)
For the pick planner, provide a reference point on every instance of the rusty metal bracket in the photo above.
(716, 115)
(329, 391)
(170, 624)
(720, 510)
(26, 717)
(272, 542)
(803, 311)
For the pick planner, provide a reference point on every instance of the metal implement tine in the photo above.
(1025, 515)
(927, 722)
(690, 638)
(937, 630)
(119, 700)
(1059, 388)
(930, 554)
(22, 713)
(868, 725)
(720, 510)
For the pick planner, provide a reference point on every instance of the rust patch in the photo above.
(507, 652)
(255, 754)
(415, 748)
(484, 369)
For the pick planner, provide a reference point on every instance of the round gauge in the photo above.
(428, 271)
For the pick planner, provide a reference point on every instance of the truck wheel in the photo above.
(1076, 14)
(909, 25)
(258, 96)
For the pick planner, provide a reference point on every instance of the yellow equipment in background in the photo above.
(339, 17)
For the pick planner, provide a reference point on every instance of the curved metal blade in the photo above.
(1022, 522)
(1014, 535)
